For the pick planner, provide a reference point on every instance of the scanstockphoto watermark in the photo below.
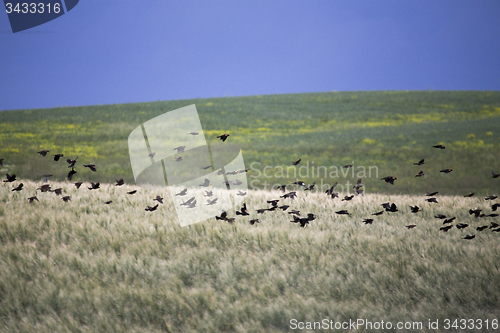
(328, 175)
(327, 324)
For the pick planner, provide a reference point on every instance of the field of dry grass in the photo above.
(83, 266)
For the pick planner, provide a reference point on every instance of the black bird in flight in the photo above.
(420, 174)
(252, 222)
(66, 198)
(430, 194)
(70, 174)
(342, 212)
(419, 162)
(446, 170)
(295, 212)
(378, 213)
(10, 179)
(439, 146)
(297, 161)
(310, 187)
(284, 207)
(223, 137)
(348, 198)
(119, 182)
(94, 186)
(358, 188)
(476, 212)
(261, 210)
(57, 191)
(415, 209)
(290, 195)
(493, 225)
(495, 175)
(491, 197)
(132, 192)
(209, 193)
(212, 202)
(78, 184)
(71, 162)
(108, 202)
(469, 195)
(299, 182)
(243, 210)
(411, 226)
(445, 229)
(18, 188)
(190, 201)
(31, 199)
(44, 188)
(91, 167)
(482, 228)
(58, 156)
(223, 216)
(469, 237)
(151, 209)
(206, 183)
(368, 221)
(450, 220)
(159, 199)
(282, 188)
(462, 225)
(331, 190)
(152, 154)
(434, 200)
(389, 179)
(43, 152)
(495, 207)
(495, 230)
(440, 216)
(390, 207)
(182, 193)
(180, 149)
(241, 194)
(348, 166)
(273, 202)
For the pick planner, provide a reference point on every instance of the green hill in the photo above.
(387, 131)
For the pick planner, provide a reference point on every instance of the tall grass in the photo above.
(84, 266)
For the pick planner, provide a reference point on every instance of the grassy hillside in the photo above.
(387, 131)
(83, 266)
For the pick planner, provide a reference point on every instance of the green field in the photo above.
(83, 266)
(387, 131)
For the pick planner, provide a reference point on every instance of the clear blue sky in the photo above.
(107, 51)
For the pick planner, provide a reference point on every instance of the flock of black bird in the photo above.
(296, 215)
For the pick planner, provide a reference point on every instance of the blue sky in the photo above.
(105, 52)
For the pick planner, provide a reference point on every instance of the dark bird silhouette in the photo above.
(180, 149)
(237, 182)
(439, 146)
(419, 162)
(469, 195)
(151, 209)
(43, 152)
(411, 226)
(348, 198)
(10, 178)
(132, 192)
(191, 205)
(342, 212)
(440, 216)
(190, 201)
(295, 212)
(182, 193)
(66, 198)
(231, 173)
(358, 188)
(241, 194)
(469, 237)
(261, 210)
(212, 202)
(430, 194)
(206, 167)
(33, 198)
(495, 207)
(194, 133)
(348, 166)
(209, 193)
(243, 210)
(151, 155)
(252, 222)
(389, 179)
(462, 225)
(415, 209)
(482, 228)
(299, 182)
(44, 188)
(108, 202)
(58, 156)
(46, 178)
(71, 162)
(159, 199)
(94, 186)
(331, 190)
(272, 208)
(206, 183)
(493, 225)
(297, 161)
(450, 220)
(495, 175)
(290, 195)
(78, 184)
(368, 221)
(18, 188)
(284, 207)
(119, 182)
(445, 229)
(420, 174)
(1, 162)
(495, 230)
(282, 188)
(223, 216)
(57, 191)
(91, 167)
(491, 197)
(70, 174)
(476, 212)
(310, 187)
(273, 202)
(446, 170)
(223, 137)
(492, 215)
(434, 200)
(378, 213)
(390, 207)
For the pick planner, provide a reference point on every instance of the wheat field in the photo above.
(84, 266)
